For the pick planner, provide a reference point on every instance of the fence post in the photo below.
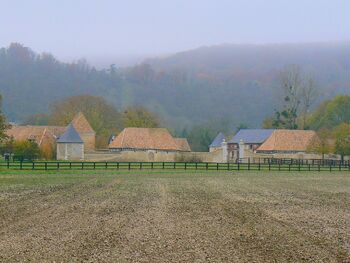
(259, 165)
(58, 165)
(129, 166)
(140, 165)
(106, 165)
(309, 167)
(163, 166)
(94, 165)
(330, 167)
(185, 166)
(207, 166)
(238, 167)
(21, 165)
(70, 165)
(228, 166)
(175, 165)
(82, 165)
(45, 165)
(269, 165)
(217, 166)
(249, 164)
(151, 165)
(289, 167)
(33, 166)
(8, 165)
(196, 166)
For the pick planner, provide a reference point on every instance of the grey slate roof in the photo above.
(70, 136)
(251, 135)
(218, 140)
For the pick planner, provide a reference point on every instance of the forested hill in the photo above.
(329, 63)
(235, 83)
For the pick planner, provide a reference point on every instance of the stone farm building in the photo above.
(268, 143)
(288, 142)
(250, 140)
(46, 136)
(148, 139)
(70, 146)
(147, 144)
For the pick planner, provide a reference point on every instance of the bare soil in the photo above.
(160, 217)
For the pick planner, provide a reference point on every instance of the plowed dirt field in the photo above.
(174, 217)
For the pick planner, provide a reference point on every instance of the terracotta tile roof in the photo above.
(288, 141)
(145, 138)
(36, 133)
(183, 144)
(81, 124)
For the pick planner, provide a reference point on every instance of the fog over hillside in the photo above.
(234, 83)
(328, 62)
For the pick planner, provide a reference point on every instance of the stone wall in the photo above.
(70, 151)
(214, 156)
(153, 156)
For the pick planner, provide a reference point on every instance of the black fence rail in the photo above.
(323, 162)
(244, 166)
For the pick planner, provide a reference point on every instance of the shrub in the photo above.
(27, 149)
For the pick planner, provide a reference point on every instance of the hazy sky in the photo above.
(83, 28)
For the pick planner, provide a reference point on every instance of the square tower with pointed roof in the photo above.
(70, 146)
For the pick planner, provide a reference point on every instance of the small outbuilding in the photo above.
(70, 146)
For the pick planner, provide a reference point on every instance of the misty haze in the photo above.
(175, 131)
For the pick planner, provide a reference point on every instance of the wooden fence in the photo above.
(247, 166)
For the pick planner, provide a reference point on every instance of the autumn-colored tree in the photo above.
(48, 151)
(7, 146)
(104, 118)
(268, 123)
(323, 143)
(331, 113)
(342, 139)
(3, 124)
(140, 117)
(27, 149)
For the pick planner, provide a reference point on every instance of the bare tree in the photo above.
(299, 93)
(309, 95)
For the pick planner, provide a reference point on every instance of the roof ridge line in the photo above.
(42, 136)
(123, 137)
